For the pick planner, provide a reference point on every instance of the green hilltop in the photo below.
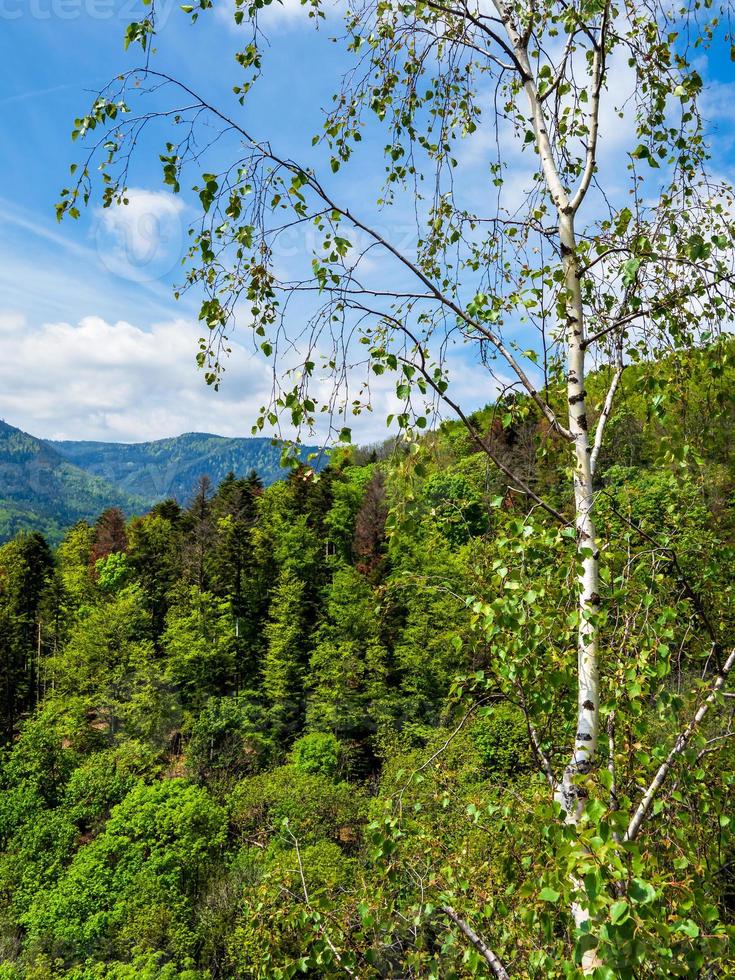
(48, 485)
(171, 467)
(40, 490)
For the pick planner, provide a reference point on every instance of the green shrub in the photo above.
(502, 741)
(226, 739)
(319, 753)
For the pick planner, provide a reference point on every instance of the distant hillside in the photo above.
(171, 467)
(40, 490)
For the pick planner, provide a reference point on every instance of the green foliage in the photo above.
(136, 881)
(455, 509)
(199, 645)
(348, 666)
(113, 572)
(501, 738)
(313, 806)
(319, 753)
(283, 664)
(149, 826)
(227, 739)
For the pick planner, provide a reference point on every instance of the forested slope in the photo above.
(171, 467)
(40, 489)
(237, 744)
(48, 486)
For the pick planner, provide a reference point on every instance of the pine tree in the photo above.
(156, 556)
(233, 572)
(348, 671)
(109, 664)
(199, 647)
(198, 528)
(284, 663)
(26, 568)
(369, 544)
(75, 561)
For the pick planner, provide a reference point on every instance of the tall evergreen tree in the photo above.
(155, 556)
(26, 568)
(285, 656)
(348, 670)
(198, 527)
(233, 572)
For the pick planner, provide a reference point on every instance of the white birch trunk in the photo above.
(568, 792)
(588, 694)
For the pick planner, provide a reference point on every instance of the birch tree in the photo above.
(600, 263)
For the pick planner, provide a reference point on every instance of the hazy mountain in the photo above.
(40, 490)
(171, 467)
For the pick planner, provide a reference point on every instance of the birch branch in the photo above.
(598, 77)
(321, 928)
(480, 945)
(604, 416)
(677, 749)
(611, 760)
(442, 748)
(541, 757)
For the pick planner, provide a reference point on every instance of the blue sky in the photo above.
(94, 345)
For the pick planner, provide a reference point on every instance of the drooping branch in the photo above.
(443, 747)
(665, 305)
(482, 443)
(309, 179)
(307, 900)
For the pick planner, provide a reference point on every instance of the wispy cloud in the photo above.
(281, 14)
(143, 239)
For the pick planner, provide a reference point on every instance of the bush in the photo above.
(502, 741)
(137, 881)
(104, 779)
(226, 739)
(315, 807)
(318, 754)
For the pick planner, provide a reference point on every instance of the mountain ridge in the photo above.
(170, 467)
(41, 490)
(48, 485)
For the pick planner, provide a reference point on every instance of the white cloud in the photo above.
(119, 382)
(142, 240)
(116, 381)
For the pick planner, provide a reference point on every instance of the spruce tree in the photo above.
(283, 667)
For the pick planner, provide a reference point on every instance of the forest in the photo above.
(267, 734)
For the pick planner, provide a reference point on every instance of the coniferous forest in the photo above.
(267, 733)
